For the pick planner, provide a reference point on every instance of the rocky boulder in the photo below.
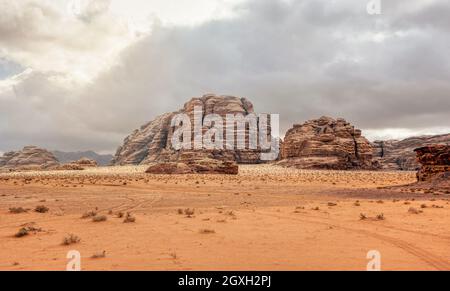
(326, 143)
(151, 143)
(29, 158)
(400, 155)
(434, 161)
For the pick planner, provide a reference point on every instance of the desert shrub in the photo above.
(71, 239)
(362, 216)
(41, 209)
(17, 210)
(89, 214)
(120, 214)
(129, 218)
(380, 217)
(189, 212)
(22, 232)
(413, 210)
(99, 218)
(99, 255)
(207, 231)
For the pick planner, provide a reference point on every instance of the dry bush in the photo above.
(17, 210)
(331, 204)
(120, 214)
(189, 212)
(207, 231)
(129, 218)
(100, 218)
(413, 210)
(71, 239)
(89, 214)
(362, 216)
(22, 232)
(41, 209)
(380, 217)
(180, 211)
(99, 255)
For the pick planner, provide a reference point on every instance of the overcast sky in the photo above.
(80, 74)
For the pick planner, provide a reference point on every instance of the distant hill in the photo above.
(66, 157)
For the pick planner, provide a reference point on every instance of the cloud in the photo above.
(301, 59)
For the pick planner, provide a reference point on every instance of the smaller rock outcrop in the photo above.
(29, 158)
(326, 143)
(189, 164)
(79, 165)
(434, 160)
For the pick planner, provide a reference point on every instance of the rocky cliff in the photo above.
(30, 157)
(152, 142)
(434, 161)
(326, 143)
(400, 155)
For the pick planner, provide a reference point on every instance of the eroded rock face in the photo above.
(152, 142)
(400, 155)
(326, 143)
(29, 158)
(434, 161)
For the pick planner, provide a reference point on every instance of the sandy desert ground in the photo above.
(266, 218)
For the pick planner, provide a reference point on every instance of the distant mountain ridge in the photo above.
(67, 157)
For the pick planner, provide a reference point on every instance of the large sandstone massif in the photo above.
(326, 143)
(400, 155)
(152, 142)
(434, 160)
(30, 157)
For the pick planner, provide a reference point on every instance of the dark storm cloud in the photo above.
(302, 59)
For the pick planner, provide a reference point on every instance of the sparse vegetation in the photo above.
(71, 239)
(207, 231)
(189, 212)
(99, 218)
(413, 210)
(22, 232)
(17, 210)
(380, 217)
(129, 218)
(99, 255)
(41, 209)
(89, 214)
(362, 216)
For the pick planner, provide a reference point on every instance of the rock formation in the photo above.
(68, 157)
(29, 158)
(326, 143)
(434, 161)
(204, 166)
(400, 155)
(79, 165)
(152, 142)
